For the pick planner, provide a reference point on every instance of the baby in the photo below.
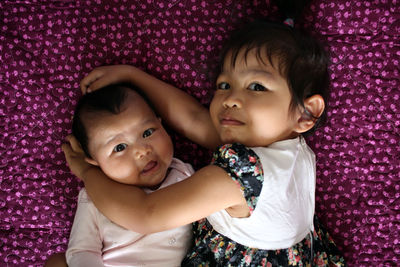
(119, 132)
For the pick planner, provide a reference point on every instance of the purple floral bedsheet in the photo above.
(47, 47)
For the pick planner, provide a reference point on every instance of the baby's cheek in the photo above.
(166, 148)
(124, 173)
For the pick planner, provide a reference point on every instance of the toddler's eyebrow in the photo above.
(249, 71)
(259, 72)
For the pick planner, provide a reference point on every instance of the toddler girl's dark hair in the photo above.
(300, 59)
(108, 99)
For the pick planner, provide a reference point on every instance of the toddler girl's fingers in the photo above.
(89, 79)
(83, 88)
(85, 85)
(85, 82)
(74, 144)
(66, 148)
(101, 82)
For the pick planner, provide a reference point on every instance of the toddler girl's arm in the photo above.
(207, 191)
(180, 110)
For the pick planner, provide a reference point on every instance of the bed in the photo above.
(47, 47)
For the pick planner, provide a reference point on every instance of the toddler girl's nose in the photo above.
(232, 101)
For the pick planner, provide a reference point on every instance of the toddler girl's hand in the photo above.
(76, 157)
(106, 75)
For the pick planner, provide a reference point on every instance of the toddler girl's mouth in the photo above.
(150, 167)
(230, 122)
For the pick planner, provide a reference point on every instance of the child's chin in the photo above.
(155, 186)
(157, 182)
(229, 140)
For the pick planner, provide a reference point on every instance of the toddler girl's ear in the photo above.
(314, 107)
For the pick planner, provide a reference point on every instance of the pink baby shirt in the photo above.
(96, 241)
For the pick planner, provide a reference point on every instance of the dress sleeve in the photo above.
(244, 167)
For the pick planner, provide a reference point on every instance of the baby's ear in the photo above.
(91, 161)
(314, 107)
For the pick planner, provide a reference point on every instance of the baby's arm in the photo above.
(180, 110)
(207, 191)
(85, 244)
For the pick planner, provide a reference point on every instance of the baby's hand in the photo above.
(106, 75)
(76, 157)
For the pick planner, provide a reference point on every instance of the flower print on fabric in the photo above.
(214, 249)
(244, 167)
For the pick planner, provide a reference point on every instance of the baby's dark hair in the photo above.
(298, 57)
(109, 99)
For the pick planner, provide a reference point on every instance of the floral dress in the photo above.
(214, 249)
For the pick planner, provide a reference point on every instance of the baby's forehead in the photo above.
(136, 96)
(131, 120)
(132, 95)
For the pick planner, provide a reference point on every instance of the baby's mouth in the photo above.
(151, 166)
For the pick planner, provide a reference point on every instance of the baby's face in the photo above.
(131, 147)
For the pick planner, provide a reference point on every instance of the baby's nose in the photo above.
(142, 150)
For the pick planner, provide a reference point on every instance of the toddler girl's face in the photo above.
(131, 147)
(251, 103)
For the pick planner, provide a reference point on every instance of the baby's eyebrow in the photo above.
(148, 120)
(113, 136)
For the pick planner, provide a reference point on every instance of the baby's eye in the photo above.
(120, 147)
(257, 87)
(223, 86)
(148, 132)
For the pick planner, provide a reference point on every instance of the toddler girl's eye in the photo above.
(148, 132)
(223, 86)
(257, 87)
(120, 147)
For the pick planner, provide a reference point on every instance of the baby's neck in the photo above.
(157, 186)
